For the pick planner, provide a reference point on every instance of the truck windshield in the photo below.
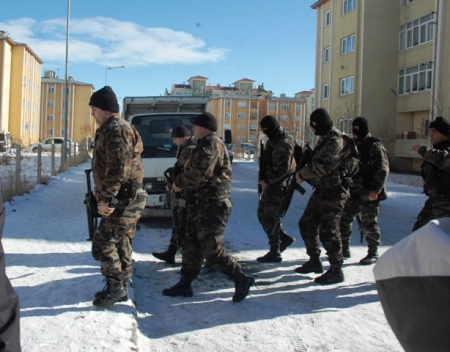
(156, 132)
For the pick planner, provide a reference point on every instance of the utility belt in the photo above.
(128, 190)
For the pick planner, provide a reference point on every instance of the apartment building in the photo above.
(20, 86)
(81, 126)
(386, 60)
(239, 107)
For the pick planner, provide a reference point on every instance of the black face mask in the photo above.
(269, 126)
(363, 127)
(323, 122)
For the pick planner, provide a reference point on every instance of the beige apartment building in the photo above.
(81, 126)
(20, 87)
(386, 60)
(240, 107)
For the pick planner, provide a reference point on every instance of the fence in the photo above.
(20, 171)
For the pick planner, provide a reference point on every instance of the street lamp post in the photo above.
(111, 68)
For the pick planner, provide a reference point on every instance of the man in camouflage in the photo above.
(118, 176)
(435, 171)
(368, 189)
(279, 161)
(206, 179)
(329, 171)
(181, 137)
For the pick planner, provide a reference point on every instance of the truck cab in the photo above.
(159, 154)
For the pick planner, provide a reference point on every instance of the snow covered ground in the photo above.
(50, 265)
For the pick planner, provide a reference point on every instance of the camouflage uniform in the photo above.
(436, 175)
(10, 305)
(183, 154)
(371, 176)
(279, 160)
(207, 180)
(325, 205)
(116, 160)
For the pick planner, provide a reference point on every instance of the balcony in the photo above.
(405, 141)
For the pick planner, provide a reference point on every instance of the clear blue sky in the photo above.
(165, 42)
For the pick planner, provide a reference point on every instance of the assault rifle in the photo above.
(173, 202)
(363, 234)
(291, 187)
(262, 166)
(91, 207)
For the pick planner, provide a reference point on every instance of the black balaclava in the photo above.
(270, 126)
(363, 125)
(323, 122)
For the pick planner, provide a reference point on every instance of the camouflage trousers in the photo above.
(434, 208)
(204, 239)
(179, 233)
(369, 219)
(113, 239)
(268, 207)
(322, 214)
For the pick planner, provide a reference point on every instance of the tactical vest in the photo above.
(365, 165)
(435, 177)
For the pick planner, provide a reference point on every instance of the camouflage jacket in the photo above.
(323, 170)
(435, 169)
(373, 166)
(183, 153)
(207, 172)
(279, 157)
(117, 157)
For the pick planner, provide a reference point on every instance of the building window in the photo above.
(62, 133)
(253, 126)
(178, 93)
(189, 92)
(298, 118)
(62, 117)
(64, 104)
(49, 117)
(252, 138)
(416, 32)
(327, 18)
(347, 85)
(227, 103)
(349, 5)
(348, 44)
(50, 103)
(226, 126)
(240, 138)
(298, 107)
(254, 105)
(297, 129)
(241, 116)
(64, 90)
(241, 127)
(241, 104)
(345, 125)
(272, 106)
(415, 78)
(24, 81)
(325, 91)
(326, 55)
(50, 131)
(285, 106)
(227, 115)
(51, 89)
(406, 2)
(284, 118)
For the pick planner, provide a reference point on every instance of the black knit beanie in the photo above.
(441, 125)
(180, 132)
(323, 122)
(363, 127)
(105, 99)
(206, 120)
(269, 125)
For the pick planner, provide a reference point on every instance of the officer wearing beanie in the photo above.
(181, 137)
(118, 176)
(329, 171)
(206, 179)
(435, 172)
(368, 189)
(279, 160)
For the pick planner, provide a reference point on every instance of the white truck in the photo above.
(154, 118)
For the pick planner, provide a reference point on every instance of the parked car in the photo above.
(248, 148)
(57, 141)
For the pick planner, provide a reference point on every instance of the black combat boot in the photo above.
(168, 256)
(286, 241)
(313, 265)
(273, 256)
(346, 249)
(334, 275)
(371, 257)
(115, 292)
(125, 286)
(182, 288)
(242, 284)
